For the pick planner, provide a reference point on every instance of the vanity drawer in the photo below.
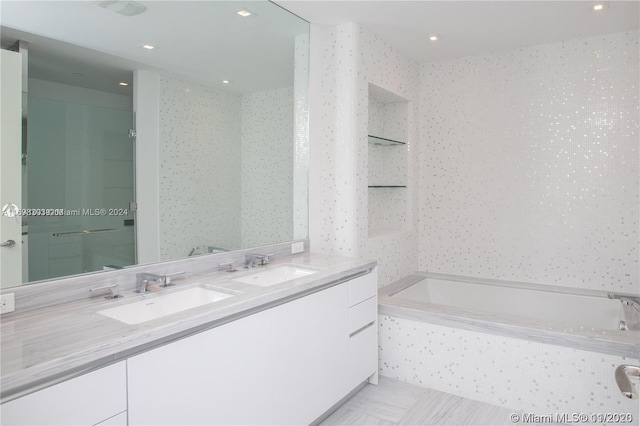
(362, 314)
(362, 288)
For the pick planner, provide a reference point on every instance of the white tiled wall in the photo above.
(226, 164)
(380, 65)
(199, 178)
(267, 167)
(529, 164)
(348, 58)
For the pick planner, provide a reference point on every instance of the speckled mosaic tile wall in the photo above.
(199, 151)
(529, 164)
(204, 136)
(349, 57)
(267, 167)
(381, 66)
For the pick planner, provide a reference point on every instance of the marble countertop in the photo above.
(49, 345)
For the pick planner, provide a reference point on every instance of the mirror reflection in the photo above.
(132, 154)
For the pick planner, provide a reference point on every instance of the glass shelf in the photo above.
(387, 186)
(377, 140)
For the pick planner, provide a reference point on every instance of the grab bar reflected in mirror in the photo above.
(83, 232)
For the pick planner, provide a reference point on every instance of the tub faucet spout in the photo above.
(630, 302)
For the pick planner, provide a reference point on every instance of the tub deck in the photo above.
(596, 333)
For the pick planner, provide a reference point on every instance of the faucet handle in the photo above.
(230, 266)
(110, 288)
(142, 286)
(166, 279)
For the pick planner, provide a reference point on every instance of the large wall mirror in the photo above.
(156, 130)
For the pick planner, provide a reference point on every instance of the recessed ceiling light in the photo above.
(123, 83)
(123, 7)
(599, 6)
(244, 13)
(147, 46)
(226, 81)
(434, 37)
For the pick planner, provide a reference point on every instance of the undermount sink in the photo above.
(164, 304)
(276, 275)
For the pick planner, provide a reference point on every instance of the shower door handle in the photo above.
(623, 374)
(8, 244)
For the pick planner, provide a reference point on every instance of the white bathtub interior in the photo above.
(566, 308)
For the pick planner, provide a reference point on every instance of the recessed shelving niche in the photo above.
(388, 199)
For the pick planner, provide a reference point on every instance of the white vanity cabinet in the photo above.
(286, 365)
(220, 376)
(90, 399)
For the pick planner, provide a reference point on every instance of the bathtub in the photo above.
(569, 317)
(527, 347)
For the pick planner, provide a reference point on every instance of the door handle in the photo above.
(8, 243)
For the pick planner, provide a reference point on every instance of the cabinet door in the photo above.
(363, 354)
(85, 400)
(219, 376)
(311, 352)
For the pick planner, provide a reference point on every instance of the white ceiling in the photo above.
(471, 27)
(206, 42)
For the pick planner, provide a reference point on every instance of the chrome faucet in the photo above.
(143, 279)
(252, 258)
(627, 301)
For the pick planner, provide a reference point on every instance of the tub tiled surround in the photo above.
(517, 374)
(525, 162)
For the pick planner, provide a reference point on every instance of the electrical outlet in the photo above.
(297, 247)
(7, 303)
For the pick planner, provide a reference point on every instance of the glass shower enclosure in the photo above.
(79, 187)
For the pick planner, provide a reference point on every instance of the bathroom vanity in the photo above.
(271, 353)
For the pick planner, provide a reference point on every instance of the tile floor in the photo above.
(393, 402)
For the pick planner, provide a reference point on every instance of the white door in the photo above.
(10, 167)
